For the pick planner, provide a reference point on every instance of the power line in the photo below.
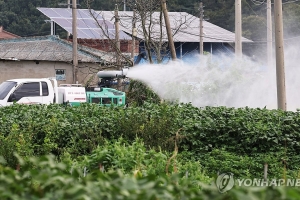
(259, 3)
(285, 39)
(295, 1)
(257, 14)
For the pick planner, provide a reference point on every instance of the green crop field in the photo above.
(150, 151)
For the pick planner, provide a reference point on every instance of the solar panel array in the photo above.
(88, 23)
(185, 25)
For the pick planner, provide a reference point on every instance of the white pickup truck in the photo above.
(39, 91)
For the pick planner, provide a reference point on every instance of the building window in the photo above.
(60, 74)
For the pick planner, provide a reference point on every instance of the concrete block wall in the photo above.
(45, 69)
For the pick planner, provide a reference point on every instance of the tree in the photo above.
(100, 5)
(257, 23)
(22, 18)
(291, 13)
(150, 27)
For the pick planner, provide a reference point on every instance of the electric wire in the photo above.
(265, 23)
(259, 3)
(257, 14)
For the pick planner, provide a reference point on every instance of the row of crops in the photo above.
(174, 150)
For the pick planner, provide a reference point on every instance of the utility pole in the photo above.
(69, 3)
(238, 28)
(134, 33)
(280, 73)
(269, 33)
(124, 6)
(168, 27)
(201, 28)
(117, 41)
(74, 33)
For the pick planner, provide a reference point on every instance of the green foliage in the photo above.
(138, 93)
(15, 142)
(44, 178)
(135, 159)
(291, 14)
(51, 180)
(22, 18)
(128, 158)
(257, 23)
(101, 4)
(219, 138)
(245, 166)
(49, 129)
(257, 133)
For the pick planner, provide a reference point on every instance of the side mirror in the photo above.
(12, 97)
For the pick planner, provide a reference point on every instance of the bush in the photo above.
(253, 134)
(44, 178)
(138, 93)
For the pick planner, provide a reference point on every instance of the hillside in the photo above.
(22, 18)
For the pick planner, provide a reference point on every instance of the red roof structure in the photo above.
(6, 35)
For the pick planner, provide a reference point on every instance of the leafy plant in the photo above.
(138, 93)
(49, 179)
(226, 134)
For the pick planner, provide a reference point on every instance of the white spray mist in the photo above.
(219, 81)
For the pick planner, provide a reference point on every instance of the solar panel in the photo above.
(64, 22)
(88, 22)
(188, 32)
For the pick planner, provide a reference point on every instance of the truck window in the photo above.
(45, 91)
(106, 100)
(96, 100)
(5, 87)
(115, 100)
(28, 90)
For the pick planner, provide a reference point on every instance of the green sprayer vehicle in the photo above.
(106, 96)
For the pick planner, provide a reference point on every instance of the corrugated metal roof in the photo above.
(186, 26)
(49, 48)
